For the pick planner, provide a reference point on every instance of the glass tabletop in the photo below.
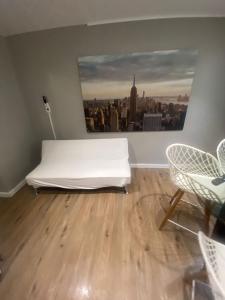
(202, 291)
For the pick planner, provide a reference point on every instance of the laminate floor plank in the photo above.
(100, 246)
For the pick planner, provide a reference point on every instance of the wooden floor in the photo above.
(100, 246)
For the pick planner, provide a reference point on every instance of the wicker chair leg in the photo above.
(174, 196)
(173, 203)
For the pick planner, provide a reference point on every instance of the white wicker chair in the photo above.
(221, 154)
(214, 256)
(192, 170)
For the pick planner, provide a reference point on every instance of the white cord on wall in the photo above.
(48, 110)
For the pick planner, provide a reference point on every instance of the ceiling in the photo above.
(18, 16)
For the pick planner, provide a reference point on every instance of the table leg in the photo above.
(219, 228)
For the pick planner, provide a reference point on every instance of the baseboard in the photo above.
(150, 166)
(14, 190)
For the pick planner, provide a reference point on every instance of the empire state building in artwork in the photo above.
(133, 100)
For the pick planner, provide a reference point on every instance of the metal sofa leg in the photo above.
(125, 190)
(35, 191)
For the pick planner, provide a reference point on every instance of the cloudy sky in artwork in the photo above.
(158, 73)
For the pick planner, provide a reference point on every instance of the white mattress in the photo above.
(82, 164)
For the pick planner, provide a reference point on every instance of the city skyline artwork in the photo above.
(147, 91)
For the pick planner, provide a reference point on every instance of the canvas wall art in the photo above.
(147, 91)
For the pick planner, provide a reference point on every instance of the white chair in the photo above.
(192, 170)
(221, 154)
(214, 256)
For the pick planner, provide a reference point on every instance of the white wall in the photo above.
(46, 63)
(16, 134)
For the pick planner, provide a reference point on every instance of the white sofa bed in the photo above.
(82, 164)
